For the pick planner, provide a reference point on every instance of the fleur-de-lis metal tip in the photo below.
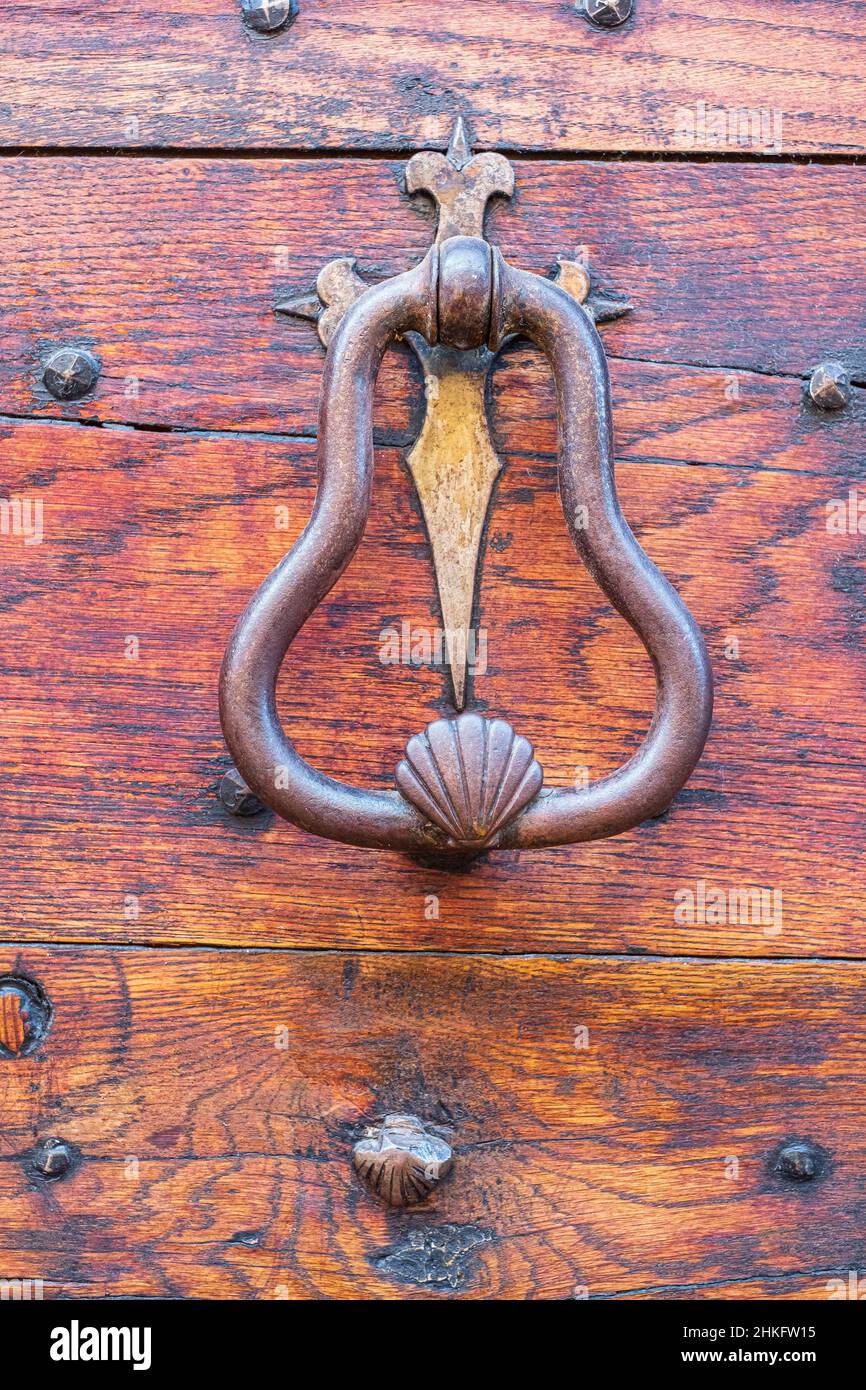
(605, 306)
(300, 306)
(602, 304)
(459, 149)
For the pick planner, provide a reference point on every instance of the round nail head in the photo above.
(70, 373)
(236, 796)
(829, 386)
(52, 1158)
(401, 1160)
(606, 14)
(268, 16)
(799, 1163)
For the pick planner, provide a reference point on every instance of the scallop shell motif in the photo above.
(400, 1160)
(469, 776)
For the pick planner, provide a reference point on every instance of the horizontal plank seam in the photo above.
(775, 374)
(754, 466)
(551, 1141)
(560, 957)
(718, 1283)
(302, 1156)
(398, 153)
(384, 439)
(757, 1277)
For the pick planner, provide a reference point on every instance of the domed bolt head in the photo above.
(53, 1158)
(267, 16)
(800, 1162)
(829, 386)
(606, 14)
(236, 796)
(70, 373)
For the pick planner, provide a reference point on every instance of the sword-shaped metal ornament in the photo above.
(453, 462)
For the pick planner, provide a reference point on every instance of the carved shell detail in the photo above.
(400, 1160)
(469, 776)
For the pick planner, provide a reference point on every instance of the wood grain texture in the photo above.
(110, 818)
(617, 1121)
(827, 1285)
(213, 1098)
(386, 74)
(169, 271)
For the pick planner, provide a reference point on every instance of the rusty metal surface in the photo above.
(338, 285)
(460, 183)
(401, 1160)
(469, 783)
(645, 785)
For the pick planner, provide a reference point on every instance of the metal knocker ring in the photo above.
(468, 783)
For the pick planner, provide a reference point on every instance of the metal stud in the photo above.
(606, 14)
(69, 373)
(401, 1160)
(829, 386)
(800, 1162)
(53, 1158)
(236, 796)
(269, 16)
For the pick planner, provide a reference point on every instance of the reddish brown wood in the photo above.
(114, 762)
(387, 74)
(820, 1287)
(615, 1124)
(169, 271)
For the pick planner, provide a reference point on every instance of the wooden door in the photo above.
(648, 1053)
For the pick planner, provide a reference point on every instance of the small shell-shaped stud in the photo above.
(400, 1160)
(469, 776)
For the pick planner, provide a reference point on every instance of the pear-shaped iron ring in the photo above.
(469, 783)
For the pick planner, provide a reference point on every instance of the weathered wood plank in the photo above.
(822, 1286)
(110, 818)
(531, 74)
(169, 270)
(213, 1162)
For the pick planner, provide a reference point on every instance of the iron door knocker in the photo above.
(468, 783)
